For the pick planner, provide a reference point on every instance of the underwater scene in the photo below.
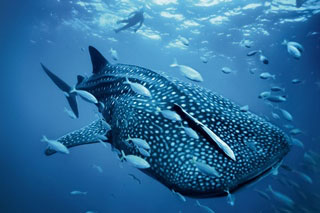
(183, 106)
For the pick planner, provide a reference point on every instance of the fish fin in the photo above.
(85, 135)
(68, 90)
(97, 59)
(60, 83)
(80, 79)
(127, 81)
(72, 100)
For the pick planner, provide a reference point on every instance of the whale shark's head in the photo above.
(257, 144)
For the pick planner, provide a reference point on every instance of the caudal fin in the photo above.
(175, 63)
(285, 42)
(68, 91)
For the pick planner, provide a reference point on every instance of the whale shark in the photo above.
(239, 145)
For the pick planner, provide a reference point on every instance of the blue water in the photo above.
(57, 33)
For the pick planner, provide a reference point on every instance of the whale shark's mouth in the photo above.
(241, 184)
(259, 176)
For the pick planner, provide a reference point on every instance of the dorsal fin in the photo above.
(79, 79)
(97, 59)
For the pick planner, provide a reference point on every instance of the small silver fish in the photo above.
(135, 178)
(252, 71)
(281, 197)
(184, 41)
(206, 208)
(143, 152)
(263, 59)
(190, 132)
(226, 70)
(230, 199)
(288, 126)
(244, 108)
(264, 95)
(87, 96)
(266, 75)
(55, 145)
(296, 45)
(138, 88)
(188, 72)
(275, 115)
(286, 115)
(205, 168)
(294, 48)
(139, 142)
(263, 194)
(251, 144)
(180, 196)
(296, 81)
(276, 98)
(78, 193)
(277, 89)
(135, 161)
(204, 59)
(304, 176)
(295, 131)
(97, 168)
(169, 114)
(114, 54)
(293, 51)
(252, 53)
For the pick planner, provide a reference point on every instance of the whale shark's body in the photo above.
(257, 144)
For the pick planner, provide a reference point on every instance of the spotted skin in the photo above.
(86, 135)
(172, 149)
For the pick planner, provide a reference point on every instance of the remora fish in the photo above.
(130, 113)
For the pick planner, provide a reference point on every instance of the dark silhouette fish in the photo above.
(257, 145)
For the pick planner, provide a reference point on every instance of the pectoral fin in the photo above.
(86, 135)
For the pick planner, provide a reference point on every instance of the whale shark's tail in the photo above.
(68, 90)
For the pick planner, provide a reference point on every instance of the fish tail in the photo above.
(127, 81)
(285, 42)
(44, 138)
(123, 155)
(68, 90)
(175, 63)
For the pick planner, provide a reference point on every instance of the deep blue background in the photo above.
(31, 105)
